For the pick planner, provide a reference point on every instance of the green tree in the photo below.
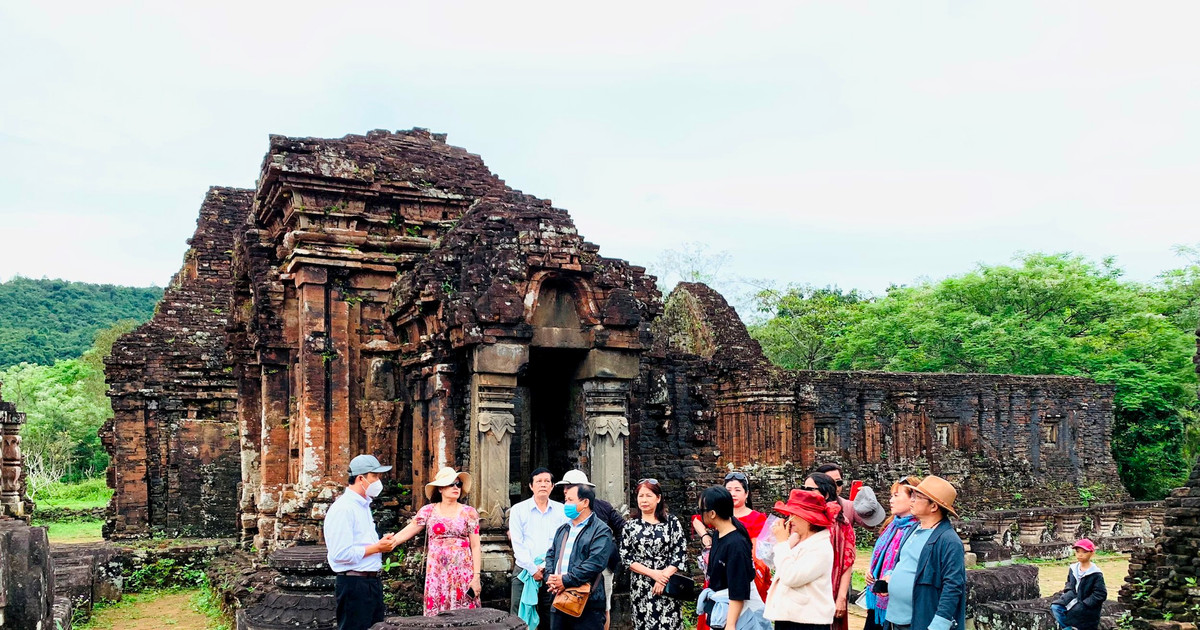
(1047, 314)
(43, 321)
(805, 324)
(65, 404)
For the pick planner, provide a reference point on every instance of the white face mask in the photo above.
(375, 488)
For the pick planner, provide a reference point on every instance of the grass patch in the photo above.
(72, 531)
(207, 602)
(84, 495)
(858, 581)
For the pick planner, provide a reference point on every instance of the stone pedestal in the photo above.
(12, 464)
(305, 596)
(475, 619)
(608, 430)
(26, 577)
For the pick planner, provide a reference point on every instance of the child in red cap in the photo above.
(1078, 606)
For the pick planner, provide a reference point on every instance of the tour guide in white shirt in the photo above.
(531, 527)
(355, 549)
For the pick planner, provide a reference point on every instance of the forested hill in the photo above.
(42, 321)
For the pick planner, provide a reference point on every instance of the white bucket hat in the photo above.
(445, 477)
(575, 478)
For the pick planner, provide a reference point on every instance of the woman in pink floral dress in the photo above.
(452, 560)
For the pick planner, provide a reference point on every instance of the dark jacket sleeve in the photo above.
(1068, 592)
(952, 603)
(616, 522)
(600, 549)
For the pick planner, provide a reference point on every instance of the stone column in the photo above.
(605, 409)
(605, 376)
(494, 370)
(12, 503)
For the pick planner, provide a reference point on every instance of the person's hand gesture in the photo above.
(779, 529)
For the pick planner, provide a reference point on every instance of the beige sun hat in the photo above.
(445, 477)
(575, 478)
(938, 490)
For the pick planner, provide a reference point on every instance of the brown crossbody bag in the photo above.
(571, 601)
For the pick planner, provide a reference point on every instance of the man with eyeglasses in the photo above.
(531, 527)
(927, 587)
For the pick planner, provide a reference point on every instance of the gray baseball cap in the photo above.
(364, 464)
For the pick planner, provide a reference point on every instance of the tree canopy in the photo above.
(1045, 314)
(43, 321)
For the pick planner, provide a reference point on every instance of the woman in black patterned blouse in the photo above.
(652, 546)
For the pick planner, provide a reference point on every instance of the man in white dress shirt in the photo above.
(531, 527)
(355, 550)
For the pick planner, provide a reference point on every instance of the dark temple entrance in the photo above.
(545, 409)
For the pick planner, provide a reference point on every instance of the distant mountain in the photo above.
(42, 321)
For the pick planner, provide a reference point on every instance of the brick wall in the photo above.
(173, 436)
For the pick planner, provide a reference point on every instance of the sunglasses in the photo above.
(457, 484)
(735, 475)
(649, 480)
(810, 489)
(839, 483)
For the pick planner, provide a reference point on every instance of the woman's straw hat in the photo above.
(445, 477)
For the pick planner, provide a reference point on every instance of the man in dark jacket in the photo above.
(615, 521)
(579, 555)
(927, 588)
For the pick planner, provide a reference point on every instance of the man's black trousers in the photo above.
(359, 602)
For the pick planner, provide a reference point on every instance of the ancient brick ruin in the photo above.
(14, 499)
(173, 439)
(1007, 441)
(388, 294)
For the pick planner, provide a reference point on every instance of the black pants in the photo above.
(791, 625)
(544, 605)
(592, 619)
(359, 602)
(871, 624)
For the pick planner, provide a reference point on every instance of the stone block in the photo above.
(500, 358)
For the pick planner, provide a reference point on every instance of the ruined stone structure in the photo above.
(1033, 440)
(14, 499)
(174, 435)
(388, 294)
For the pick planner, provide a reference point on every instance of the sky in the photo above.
(851, 144)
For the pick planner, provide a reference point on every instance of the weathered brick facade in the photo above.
(387, 294)
(1007, 441)
(173, 438)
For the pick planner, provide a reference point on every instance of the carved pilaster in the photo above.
(492, 428)
(606, 414)
(12, 464)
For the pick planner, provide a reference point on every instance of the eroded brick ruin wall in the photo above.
(1036, 439)
(387, 294)
(173, 436)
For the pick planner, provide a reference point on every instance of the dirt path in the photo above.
(151, 612)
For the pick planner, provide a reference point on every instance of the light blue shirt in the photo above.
(532, 531)
(349, 530)
(904, 576)
(564, 563)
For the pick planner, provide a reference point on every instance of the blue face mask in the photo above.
(571, 510)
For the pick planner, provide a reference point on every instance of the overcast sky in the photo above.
(857, 144)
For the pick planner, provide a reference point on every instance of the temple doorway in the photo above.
(547, 407)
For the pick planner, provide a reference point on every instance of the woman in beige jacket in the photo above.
(801, 597)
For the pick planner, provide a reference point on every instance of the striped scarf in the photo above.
(884, 558)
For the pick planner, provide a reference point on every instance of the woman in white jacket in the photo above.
(801, 596)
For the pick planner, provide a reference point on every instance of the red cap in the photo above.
(1084, 544)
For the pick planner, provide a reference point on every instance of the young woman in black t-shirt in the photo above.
(731, 560)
